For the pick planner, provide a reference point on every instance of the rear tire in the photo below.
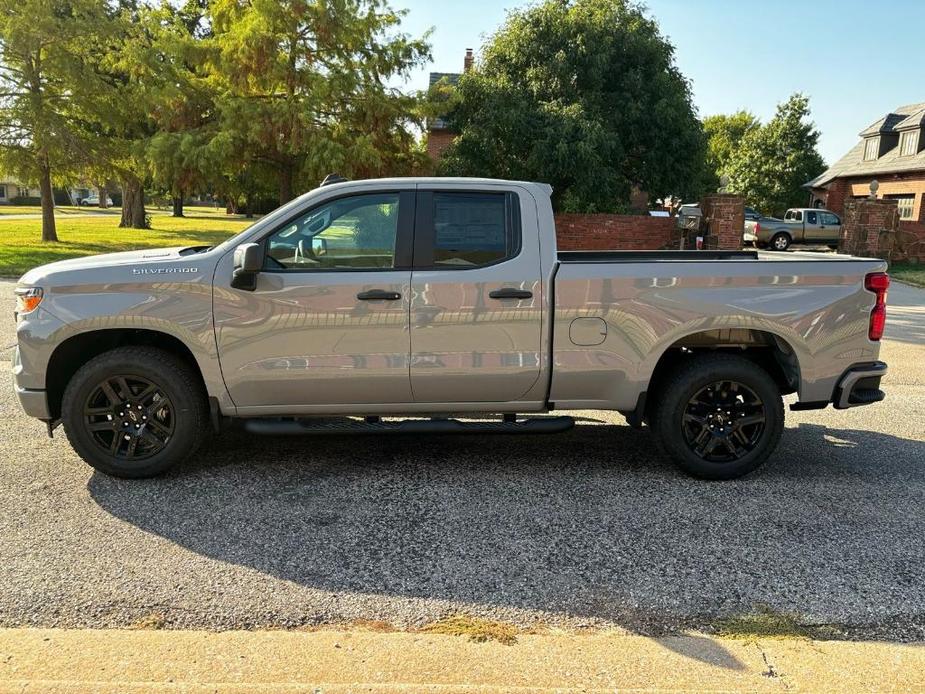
(718, 416)
(780, 242)
(135, 412)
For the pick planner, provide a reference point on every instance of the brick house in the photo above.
(439, 135)
(890, 151)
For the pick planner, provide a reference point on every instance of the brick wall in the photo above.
(724, 215)
(615, 232)
(910, 243)
(437, 142)
(869, 227)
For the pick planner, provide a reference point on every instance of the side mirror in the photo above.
(248, 261)
(319, 246)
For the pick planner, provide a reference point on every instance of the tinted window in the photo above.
(356, 232)
(829, 218)
(810, 217)
(472, 229)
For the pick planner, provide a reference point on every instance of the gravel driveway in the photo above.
(583, 528)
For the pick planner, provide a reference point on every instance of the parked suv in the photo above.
(93, 200)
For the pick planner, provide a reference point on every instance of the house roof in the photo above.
(916, 120)
(451, 77)
(853, 164)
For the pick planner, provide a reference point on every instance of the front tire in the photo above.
(718, 416)
(780, 242)
(135, 412)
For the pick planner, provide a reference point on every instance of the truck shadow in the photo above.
(591, 524)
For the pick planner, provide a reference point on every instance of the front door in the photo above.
(476, 296)
(328, 321)
(829, 228)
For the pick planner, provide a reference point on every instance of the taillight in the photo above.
(757, 228)
(878, 283)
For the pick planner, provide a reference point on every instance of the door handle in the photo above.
(378, 295)
(510, 293)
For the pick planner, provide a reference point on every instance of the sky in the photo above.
(855, 60)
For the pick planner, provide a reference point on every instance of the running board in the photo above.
(303, 427)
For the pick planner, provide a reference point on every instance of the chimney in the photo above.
(467, 62)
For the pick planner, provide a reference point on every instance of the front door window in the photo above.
(352, 233)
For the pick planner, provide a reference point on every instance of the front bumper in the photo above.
(34, 403)
(860, 385)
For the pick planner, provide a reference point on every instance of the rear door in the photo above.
(476, 295)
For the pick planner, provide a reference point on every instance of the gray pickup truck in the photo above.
(800, 225)
(415, 298)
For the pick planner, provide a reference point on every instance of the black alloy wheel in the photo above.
(135, 411)
(129, 417)
(723, 422)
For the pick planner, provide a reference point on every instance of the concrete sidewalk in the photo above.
(50, 660)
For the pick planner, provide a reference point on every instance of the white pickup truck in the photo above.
(415, 298)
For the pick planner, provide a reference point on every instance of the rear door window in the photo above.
(465, 230)
(811, 218)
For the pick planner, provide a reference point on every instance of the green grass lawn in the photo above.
(21, 247)
(909, 273)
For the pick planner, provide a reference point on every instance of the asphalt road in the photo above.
(584, 528)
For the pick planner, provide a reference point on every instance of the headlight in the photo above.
(28, 299)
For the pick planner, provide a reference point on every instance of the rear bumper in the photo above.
(860, 385)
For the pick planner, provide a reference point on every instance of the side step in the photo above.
(372, 425)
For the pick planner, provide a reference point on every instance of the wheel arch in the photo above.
(768, 350)
(781, 232)
(78, 349)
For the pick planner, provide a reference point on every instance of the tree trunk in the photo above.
(178, 205)
(49, 233)
(133, 205)
(249, 204)
(285, 185)
(104, 196)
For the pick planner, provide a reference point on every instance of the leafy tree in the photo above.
(146, 91)
(302, 87)
(584, 95)
(774, 160)
(724, 136)
(179, 154)
(46, 84)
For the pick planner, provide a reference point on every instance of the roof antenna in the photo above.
(333, 178)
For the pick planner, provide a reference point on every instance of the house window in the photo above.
(871, 148)
(23, 192)
(905, 205)
(2, 192)
(908, 142)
